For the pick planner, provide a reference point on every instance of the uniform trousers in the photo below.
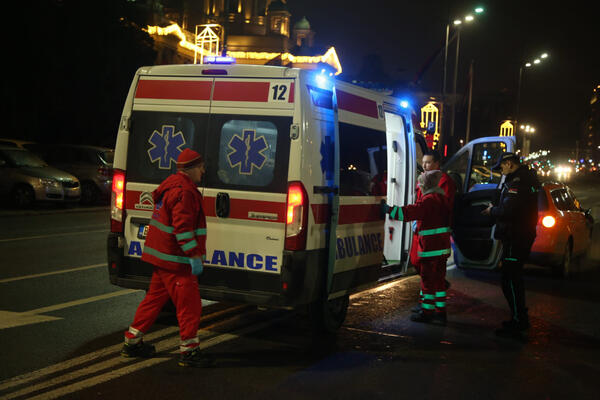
(433, 284)
(514, 255)
(182, 289)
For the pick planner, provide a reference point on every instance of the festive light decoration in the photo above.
(507, 129)
(330, 57)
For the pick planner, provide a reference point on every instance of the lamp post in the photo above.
(527, 65)
(457, 24)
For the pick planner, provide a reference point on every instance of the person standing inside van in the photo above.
(431, 162)
(175, 246)
(516, 219)
(432, 214)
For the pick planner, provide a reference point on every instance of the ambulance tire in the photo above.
(327, 316)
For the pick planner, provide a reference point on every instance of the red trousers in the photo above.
(433, 284)
(182, 289)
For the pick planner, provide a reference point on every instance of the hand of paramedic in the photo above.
(197, 266)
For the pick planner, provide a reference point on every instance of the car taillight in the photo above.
(296, 217)
(117, 201)
(548, 221)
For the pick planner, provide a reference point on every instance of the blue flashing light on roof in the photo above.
(404, 103)
(218, 60)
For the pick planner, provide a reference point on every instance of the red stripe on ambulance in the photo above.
(356, 104)
(173, 90)
(241, 91)
(349, 214)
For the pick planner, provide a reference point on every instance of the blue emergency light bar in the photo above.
(218, 60)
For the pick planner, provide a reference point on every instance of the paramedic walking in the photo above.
(431, 162)
(175, 246)
(432, 213)
(516, 219)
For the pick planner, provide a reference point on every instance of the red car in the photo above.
(564, 229)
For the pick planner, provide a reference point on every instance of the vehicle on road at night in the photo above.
(297, 164)
(564, 229)
(25, 179)
(92, 165)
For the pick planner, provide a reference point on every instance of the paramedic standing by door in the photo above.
(431, 162)
(516, 219)
(176, 245)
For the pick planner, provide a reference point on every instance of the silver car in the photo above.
(25, 179)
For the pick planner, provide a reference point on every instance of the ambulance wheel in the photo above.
(328, 315)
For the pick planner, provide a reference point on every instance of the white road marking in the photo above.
(62, 271)
(10, 319)
(111, 366)
(51, 235)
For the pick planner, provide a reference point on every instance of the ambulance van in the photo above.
(297, 164)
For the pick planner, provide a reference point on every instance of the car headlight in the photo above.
(49, 182)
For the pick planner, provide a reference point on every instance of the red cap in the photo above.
(188, 158)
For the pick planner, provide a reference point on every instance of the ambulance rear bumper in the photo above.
(302, 276)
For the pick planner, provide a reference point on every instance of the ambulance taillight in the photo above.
(296, 217)
(117, 201)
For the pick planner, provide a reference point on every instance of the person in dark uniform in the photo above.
(516, 218)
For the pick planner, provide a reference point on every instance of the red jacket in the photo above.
(449, 187)
(178, 226)
(432, 213)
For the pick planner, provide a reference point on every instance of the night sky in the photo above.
(554, 95)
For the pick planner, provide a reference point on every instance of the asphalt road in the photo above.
(61, 326)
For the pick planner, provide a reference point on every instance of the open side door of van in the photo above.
(477, 185)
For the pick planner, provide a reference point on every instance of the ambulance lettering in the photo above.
(135, 249)
(354, 246)
(256, 262)
(166, 146)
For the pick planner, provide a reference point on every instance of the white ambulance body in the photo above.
(291, 156)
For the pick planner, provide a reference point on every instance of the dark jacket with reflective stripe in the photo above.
(432, 213)
(178, 226)
(517, 213)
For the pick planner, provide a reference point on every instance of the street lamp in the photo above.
(457, 23)
(527, 65)
(527, 130)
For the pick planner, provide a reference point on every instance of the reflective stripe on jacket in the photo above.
(178, 226)
(432, 213)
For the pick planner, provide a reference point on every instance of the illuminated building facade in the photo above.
(251, 31)
(590, 139)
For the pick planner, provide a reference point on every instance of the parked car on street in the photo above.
(25, 179)
(92, 165)
(564, 229)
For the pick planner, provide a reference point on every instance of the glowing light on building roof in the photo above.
(330, 57)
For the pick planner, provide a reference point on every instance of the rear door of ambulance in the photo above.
(245, 186)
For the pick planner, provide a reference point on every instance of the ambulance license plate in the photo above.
(143, 231)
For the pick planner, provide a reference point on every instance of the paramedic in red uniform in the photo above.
(176, 246)
(431, 162)
(432, 213)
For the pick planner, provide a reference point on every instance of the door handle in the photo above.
(222, 205)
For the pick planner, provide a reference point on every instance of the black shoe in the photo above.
(516, 325)
(195, 358)
(429, 318)
(416, 308)
(139, 349)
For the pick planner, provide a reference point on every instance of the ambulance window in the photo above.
(156, 140)
(247, 152)
(362, 157)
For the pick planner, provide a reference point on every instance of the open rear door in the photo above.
(473, 240)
